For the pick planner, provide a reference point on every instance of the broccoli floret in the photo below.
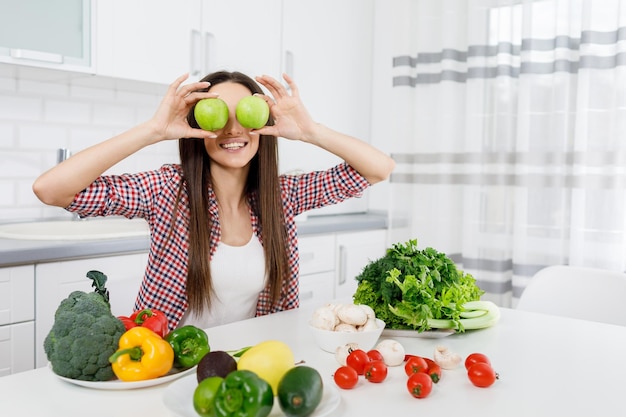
(84, 335)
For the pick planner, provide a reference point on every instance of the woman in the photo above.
(223, 237)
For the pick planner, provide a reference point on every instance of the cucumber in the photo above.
(300, 391)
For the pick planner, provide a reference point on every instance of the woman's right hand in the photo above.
(170, 120)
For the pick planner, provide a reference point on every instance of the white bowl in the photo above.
(329, 340)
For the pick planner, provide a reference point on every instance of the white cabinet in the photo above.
(47, 33)
(56, 280)
(330, 262)
(159, 40)
(147, 40)
(17, 312)
(242, 35)
(354, 251)
(317, 265)
(328, 50)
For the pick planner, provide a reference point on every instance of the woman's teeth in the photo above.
(233, 145)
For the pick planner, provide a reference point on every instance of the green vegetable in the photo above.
(419, 290)
(243, 394)
(300, 391)
(190, 344)
(84, 334)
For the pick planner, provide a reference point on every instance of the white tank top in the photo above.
(238, 274)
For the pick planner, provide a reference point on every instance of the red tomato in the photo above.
(376, 371)
(482, 374)
(358, 359)
(346, 377)
(375, 355)
(434, 370)
(476, 358)
(419, 385)
(414, 365)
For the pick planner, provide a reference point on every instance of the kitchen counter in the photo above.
(537, 357)
(19, 252)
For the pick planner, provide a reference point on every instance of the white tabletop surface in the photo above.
(548, 366)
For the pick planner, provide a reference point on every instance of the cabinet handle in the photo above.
(288, 65)
(343, 265)
(306, 295)
(36, 56)
(209, 52)
(196, 53)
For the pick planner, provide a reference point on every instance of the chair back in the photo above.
(578, 292)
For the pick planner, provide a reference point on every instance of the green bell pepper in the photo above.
(243, 394)
(190, 344)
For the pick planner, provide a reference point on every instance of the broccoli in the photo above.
(84, 334)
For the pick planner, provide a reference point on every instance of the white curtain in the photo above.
(513, 117)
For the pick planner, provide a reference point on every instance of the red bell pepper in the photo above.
(148, 318)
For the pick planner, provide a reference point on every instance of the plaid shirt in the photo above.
(152, 195)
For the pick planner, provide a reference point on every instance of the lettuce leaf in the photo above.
(408, 286)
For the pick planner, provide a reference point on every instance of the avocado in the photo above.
(215, 363)
(300, 391)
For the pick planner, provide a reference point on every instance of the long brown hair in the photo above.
(262, 182)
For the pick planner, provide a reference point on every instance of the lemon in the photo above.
(270, 360)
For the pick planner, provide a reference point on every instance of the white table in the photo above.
(547, 365)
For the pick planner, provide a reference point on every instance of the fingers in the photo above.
(275, 87)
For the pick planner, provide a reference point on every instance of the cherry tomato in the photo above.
(419, 385)
(375, 355)
(358, 359)
(434, 370)
(376, 371)
(476, 358)
(482, 374)
(346, 377)
(414, 365)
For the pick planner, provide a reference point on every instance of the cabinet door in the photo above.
(242, 35)
(354, 251)
(147, 40)
(47, 33)
(316, 289)
(17, 348)
(328, 49)
(17, 294)
(56, 280)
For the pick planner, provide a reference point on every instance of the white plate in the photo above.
(178, 398)
(428, 334)
(116, 384)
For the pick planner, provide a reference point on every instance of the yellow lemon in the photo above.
(270, 360)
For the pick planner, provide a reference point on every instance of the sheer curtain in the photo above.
(515, 114)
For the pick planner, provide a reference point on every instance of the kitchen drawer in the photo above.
(316, 289)
(17, 348)
(17, 294)
(317, 254)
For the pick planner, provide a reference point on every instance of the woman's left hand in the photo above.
(291, 118)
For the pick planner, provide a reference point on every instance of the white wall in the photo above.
(43, 110)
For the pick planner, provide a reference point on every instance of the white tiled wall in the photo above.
(43, 110)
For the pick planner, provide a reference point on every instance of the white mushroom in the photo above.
(370, 324)
(352, 314)
(345, 327)
(368, 310)
(342, 352)
(445, 358)
(324, 318)
(392, 351)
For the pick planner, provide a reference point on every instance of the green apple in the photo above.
(252, 112)
(211, 113)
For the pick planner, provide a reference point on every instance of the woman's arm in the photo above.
(292, 121)
(61, 183)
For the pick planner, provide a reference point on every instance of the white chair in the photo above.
(577, 292)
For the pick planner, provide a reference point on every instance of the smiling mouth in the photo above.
(232, 145)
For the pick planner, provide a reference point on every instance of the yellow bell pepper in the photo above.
(142, 355)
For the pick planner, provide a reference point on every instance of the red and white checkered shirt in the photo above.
(152, 195)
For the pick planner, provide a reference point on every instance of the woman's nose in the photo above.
(232, 126)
